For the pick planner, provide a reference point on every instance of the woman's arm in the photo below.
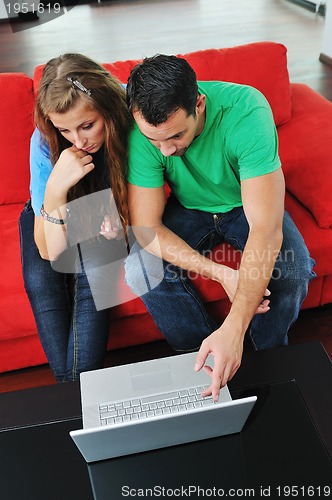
(49, 186)
(73, 164)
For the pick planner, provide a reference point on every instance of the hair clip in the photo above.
(79, 85)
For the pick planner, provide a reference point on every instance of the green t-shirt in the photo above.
(239, 141)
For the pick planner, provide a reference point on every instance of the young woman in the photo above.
(72, 228)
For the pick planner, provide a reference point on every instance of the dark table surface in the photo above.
(289, 434)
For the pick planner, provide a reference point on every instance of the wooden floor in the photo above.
(116, 30)
(128, 29)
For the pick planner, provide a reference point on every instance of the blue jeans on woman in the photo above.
(175, 304)
(72, 331)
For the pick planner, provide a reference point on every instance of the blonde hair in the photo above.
(57, 94)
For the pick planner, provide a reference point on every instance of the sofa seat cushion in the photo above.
(318, 240)
(16, 126)
(326, 297)
(305, 147)
(16, 315)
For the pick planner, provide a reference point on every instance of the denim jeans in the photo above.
(72, 331)
(175, 304)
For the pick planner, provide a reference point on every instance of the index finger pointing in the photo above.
(216, 384)
(201, 357)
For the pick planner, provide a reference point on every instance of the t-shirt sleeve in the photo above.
(145, 164)
(40, 169)
(254, 140)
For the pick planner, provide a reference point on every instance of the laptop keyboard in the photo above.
(150, 406)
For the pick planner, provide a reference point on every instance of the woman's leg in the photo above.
(89, 330)
(93, 296)
(48, 295)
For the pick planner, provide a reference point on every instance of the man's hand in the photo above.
(224, 345)
(226, 349)
(229, 279)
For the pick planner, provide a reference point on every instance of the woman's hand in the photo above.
(73, 164)
(111, 229)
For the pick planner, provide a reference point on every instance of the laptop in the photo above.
(152, 404)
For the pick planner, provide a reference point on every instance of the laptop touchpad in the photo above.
(147, 377)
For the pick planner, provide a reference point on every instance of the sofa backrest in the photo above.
(16, 127)
(262, 65)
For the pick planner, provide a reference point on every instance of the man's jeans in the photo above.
(72, 331)
(174, 303)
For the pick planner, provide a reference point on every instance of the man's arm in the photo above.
(146, 207)
(263, 203)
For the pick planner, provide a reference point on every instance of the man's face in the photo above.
(174, 136)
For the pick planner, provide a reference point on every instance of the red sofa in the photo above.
(303, 119)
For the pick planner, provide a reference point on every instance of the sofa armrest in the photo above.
(305, 147)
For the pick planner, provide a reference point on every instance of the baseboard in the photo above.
(307, 4)
(325, 59)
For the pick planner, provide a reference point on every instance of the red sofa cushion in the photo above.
(262, 65)
(318, 240)
(17, 318)
(16, 126)
(305, 147)
(326, 297)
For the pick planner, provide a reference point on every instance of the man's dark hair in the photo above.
(161, 85)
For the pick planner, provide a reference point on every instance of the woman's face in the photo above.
(82, 125)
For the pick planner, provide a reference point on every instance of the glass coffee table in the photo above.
(284, 450)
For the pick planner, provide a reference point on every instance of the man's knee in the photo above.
(143, 271)
(292, 275)
(291, 265)
(294, 261)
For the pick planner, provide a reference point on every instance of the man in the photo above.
(215, 143)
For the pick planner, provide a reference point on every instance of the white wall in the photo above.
(327, 37)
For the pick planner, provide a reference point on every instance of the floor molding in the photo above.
(325, 59)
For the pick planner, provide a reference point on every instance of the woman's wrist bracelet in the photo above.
(49, 218)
